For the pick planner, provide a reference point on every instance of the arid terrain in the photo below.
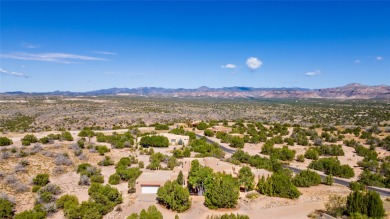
(293, 126)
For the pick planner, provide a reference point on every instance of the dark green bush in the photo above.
(66, 200)
(128, 174)
(209, 133)
(202, 126)
(332, 166)
(35, 188)
(102, 149)
(306, 178)
(237, 142)
(4, 141)
(41, 179)
(154, 141)
(114, 179)
(222, 191)
(328, 180)
(332, 150)
(106, 161)
(6, 208)
(161, 127)
(31, 214)
(66, 136)
(151, 213)
(105, 195)
(97, 178)
(278, 185)
(28, 139)
(368, 203)
(357, 186)
(174, 196)
(312, 154)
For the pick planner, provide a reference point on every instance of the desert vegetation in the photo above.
(238, 157)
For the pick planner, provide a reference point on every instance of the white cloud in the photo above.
(357, 61)
(30, 46)
(313, 73)
(253, 63)
(50, 57)
(231, 66)
(379, 58)
(12, 73)
(105, 52)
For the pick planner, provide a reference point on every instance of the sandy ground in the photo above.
(268, 207)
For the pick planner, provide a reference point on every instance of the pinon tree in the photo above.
(174, 196)
(246, 178)
(180, 178)
(222, 191)
(87, 133)
(365, 203)
(198, 177)
(279, 185)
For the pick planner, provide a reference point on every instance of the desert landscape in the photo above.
(61, 140)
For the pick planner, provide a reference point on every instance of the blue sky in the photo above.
(89, 45)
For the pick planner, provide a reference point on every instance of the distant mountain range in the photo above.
(350, 91)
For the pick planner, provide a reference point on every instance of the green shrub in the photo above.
(114, 179)
(26, 143)
(105, 195)
(312, 154)
(123, 162)
(301, 158)
(237, 142)
(306, 178)
(332, 166)
(35, 188)
(6, 208)
(154, 141)
(31, 214)
(332, 150)
(66, 136)
(174, 196)
(28, 139)
(222, 191)
(41, 179)
(369, 203)
(328, 180)
(87, 209)
(204, 148)
(357, 186)
(161, 127)
(278, 185)
(202, 126)
(82, 168)
(284, 154)
(128, 174)
(209, 133)
(97, 178)
(246, 178)
(106, 162)
(102, 149)
(151, 213)
(66, 200)
(4, 141)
